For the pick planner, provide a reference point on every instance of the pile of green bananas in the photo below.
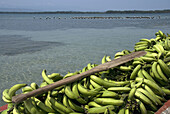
(140, 86)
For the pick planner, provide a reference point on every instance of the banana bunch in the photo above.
(7, 94)
(140, 86)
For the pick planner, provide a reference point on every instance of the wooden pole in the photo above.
(102, 67)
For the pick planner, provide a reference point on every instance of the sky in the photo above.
(85, 5)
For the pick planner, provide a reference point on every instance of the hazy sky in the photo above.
(86, 5)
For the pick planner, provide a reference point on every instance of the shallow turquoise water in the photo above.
(30, 45)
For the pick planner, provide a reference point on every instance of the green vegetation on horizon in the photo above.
(87, 12)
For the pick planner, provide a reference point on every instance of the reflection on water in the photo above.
(17, 44)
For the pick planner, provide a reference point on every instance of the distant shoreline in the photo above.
(90, 12)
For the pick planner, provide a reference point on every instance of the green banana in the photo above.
(14, 88)
(148, 95)
(86, 82)
(109, 94)
(151, 84)
(139, 84)
(158, 38)
(5, 94)
(132, 84)
(153, 107)
(166, 60)
(151, 54)
(15, 110)
(141, 106)
(94, 84)
(167, 54)
(87, 92)
(108, 58)
(119, 89)
(135, 63)
(46, 78)
(54, 93)
(65, 101)
(102, 82)
(89, 66)
(104, 60)
(109, 110)
(121, 83)
(125, 51)
(145, 40)
(69, 92)
(140, 74)
(161, 33)
(132, 93)
(141, 45)
(29, 105)
(70, 74)
(127, 110)
(125, 68)
(42, 106)
(161, 98)
(6, 100)
(55, 77)
(164, 67)
(148, 59)
(121, 111)
(109, 101)
(135, 71)
(91, 87)
(147, 76)
(161, 74)
(27, 89)
(83, 70)
(100, 109)
(155, 72)
(86, 107)
(159, 48)
(75, 113)
(76, 93)
(94, 104)
(43, 84)
(167, 43)
(142, 97)
(34, 85)
(58, 106)
(119, 54)
(151, 73)
(166, 91)
(21, 108)
(47, 102)
(150, 50)
(160, 55)
(140, 48)
(139, 59)
(152, 93)
(142, 42)
(75, 106)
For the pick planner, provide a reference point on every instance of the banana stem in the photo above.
(102, 67)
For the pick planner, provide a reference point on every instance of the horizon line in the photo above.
(107, 11)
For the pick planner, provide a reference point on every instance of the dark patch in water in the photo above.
(17, 44)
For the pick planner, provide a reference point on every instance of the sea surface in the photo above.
(59, 43)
